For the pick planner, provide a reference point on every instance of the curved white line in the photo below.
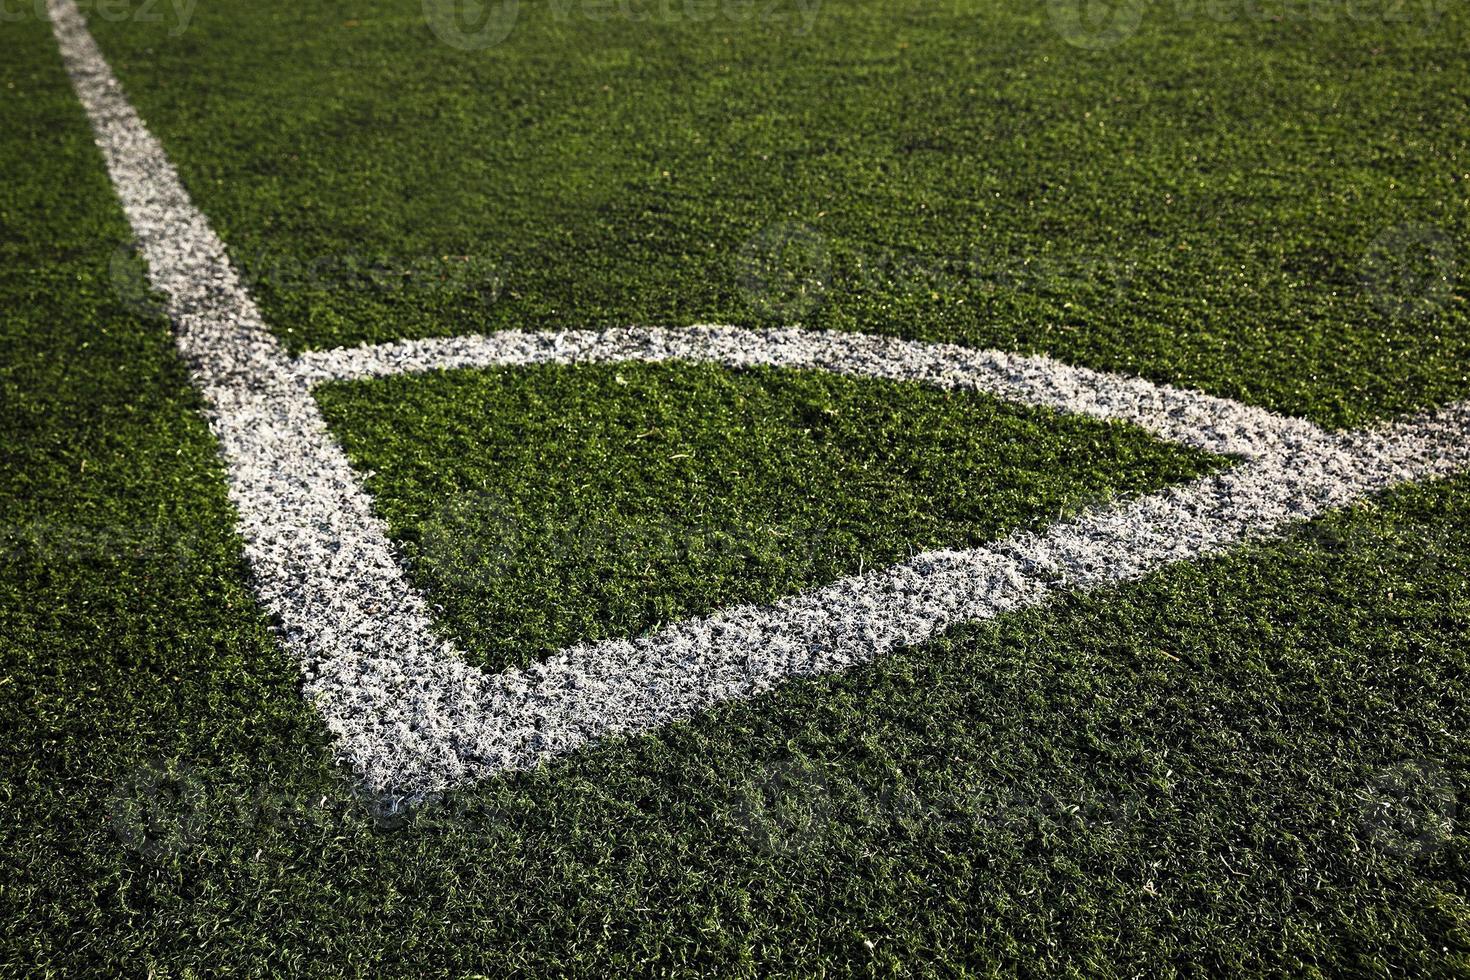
(1193, 418)
(413, 717)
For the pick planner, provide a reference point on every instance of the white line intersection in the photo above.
(412, 716)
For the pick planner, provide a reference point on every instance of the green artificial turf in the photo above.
(541, 507)
(1264, 200)
(1254, 765)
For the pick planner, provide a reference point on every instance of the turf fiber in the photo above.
(1262, 200)
(1253, 765)
(552, 506)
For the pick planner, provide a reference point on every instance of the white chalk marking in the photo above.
(413, 717)
(323, 564)
(1190, 417)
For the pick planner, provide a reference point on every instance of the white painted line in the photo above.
(413, 717)
(323, 565)
(618, 687)
(1203, 421)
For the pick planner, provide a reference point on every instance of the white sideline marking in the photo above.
(1193, 418)
(413, 717)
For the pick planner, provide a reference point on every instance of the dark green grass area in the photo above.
(1264, 200)
(546, 506)
(1255, 765)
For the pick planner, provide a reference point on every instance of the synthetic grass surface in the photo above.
(1257, 764)
(1248, 766)
(1263, 200)
(541, 507)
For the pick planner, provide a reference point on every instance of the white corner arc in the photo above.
(413, 717)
